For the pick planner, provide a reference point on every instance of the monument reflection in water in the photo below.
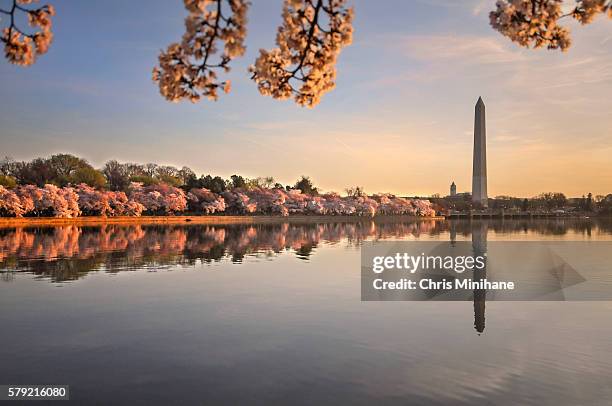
(479, 230)
(68, 253)
(479, 245)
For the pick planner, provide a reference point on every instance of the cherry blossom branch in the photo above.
(303, 65)
(184, 71)
(21, 48)
(534, 23)
(586, 10)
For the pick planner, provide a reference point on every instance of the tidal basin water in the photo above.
(268, 314)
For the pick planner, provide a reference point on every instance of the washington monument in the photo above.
(479, 167)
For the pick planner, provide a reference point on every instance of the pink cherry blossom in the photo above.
(536, 23)
(203, 200)
(303, 66)
(30, 200)
(159, 198)
(10, 203)
(21, 47)
(186, 70)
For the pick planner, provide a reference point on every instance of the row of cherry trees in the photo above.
(69, 202)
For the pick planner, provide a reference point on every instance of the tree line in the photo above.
(549, 201)
(65, 169)
(64, 185)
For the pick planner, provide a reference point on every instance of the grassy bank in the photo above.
(92, 221)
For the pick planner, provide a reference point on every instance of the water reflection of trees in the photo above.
(66, 253)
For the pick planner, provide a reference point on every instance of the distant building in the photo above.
(457, 195)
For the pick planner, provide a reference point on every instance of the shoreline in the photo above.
(7, 222)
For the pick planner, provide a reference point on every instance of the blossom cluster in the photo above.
(186, 70)
(106, 203)
(165, 199)
(312, 35)
(205, 201)
(159, 198)
(535, 23)
(20, 47)
(49, 200)
(280, 202)
(586, 10)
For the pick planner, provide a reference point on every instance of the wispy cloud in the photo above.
(277, 125)
(432, 58)
(473, 5)
(463, 49)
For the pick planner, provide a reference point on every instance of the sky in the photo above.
(400, 119)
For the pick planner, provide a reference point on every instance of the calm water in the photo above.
(264, 314)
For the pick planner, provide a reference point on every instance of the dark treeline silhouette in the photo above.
(543, 202)
(66, 169)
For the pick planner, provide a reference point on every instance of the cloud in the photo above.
(277, 125)
(433, 58)
(567, 73)
(475, 6)
(463, 49)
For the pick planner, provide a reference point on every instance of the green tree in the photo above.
(38, 172)
(238, 181)
(146, 180)
(216, 184)
(186, 176)
(170, 180)
(88, 175)
(7, 181)
(116, 175)
(306, 186)
(65, 165)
